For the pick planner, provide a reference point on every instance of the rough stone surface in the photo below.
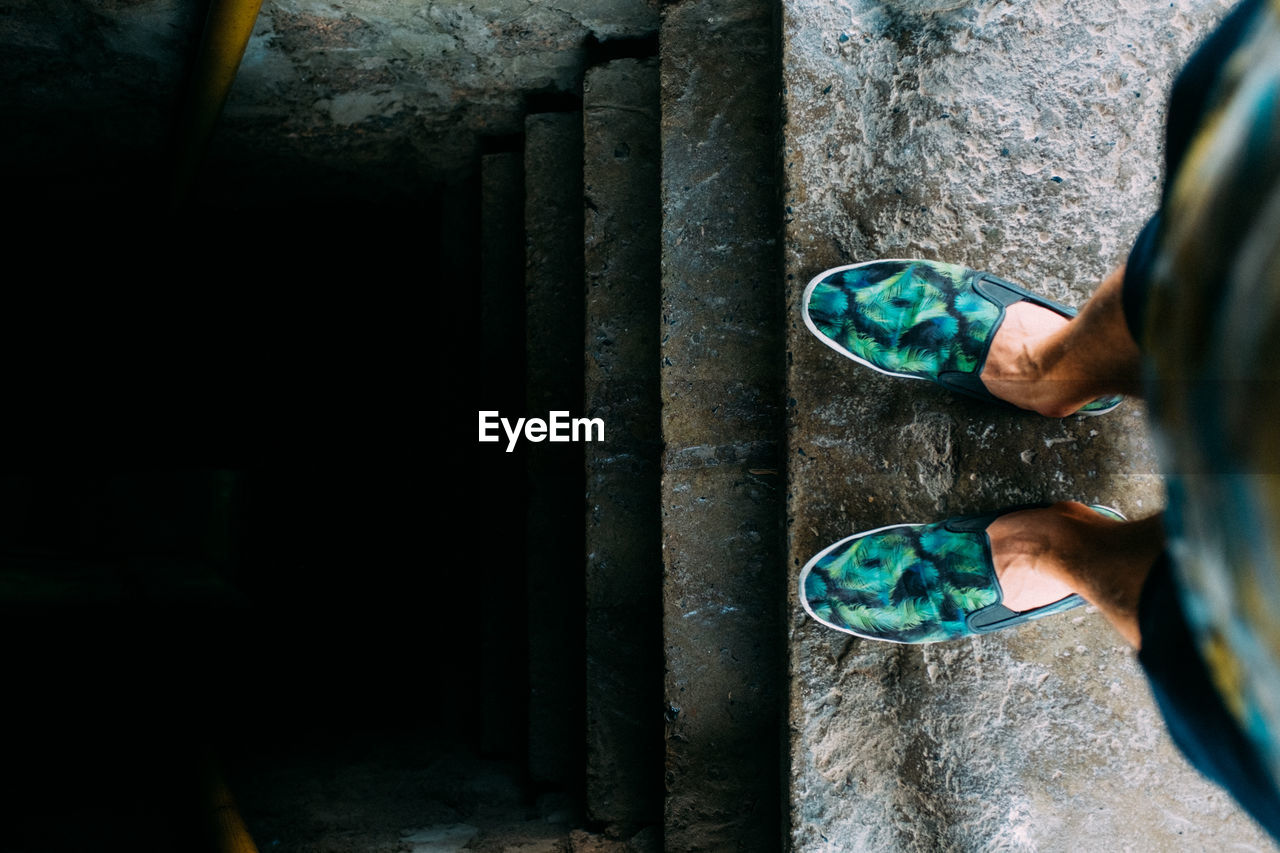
(553, 333)
(721, 385)
(1024, 139)
(624, 564)
(411, 80)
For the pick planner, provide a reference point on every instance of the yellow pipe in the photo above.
(226, 34)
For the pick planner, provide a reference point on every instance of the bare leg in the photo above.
(1039, 360)
(1042, 555)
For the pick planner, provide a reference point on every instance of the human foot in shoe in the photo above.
(1041, 554)
(929, 320)
(924, 583)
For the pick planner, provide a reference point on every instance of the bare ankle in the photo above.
(1031, 551)
(1111, 567)
(1039, 360)
(1024, 356)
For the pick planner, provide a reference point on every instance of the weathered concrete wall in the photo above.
(391, 81)
(1025, 139)
(370, 97)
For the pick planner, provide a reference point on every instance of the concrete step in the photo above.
(1025, 140)
(721, 492)
(457, 378)
(624, 565)
(553, 369)
(502, 346)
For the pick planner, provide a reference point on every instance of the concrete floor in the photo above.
(1024, 139)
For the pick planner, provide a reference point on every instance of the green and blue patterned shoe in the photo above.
(920, 320)
(916, 583)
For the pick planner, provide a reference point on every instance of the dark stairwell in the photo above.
(383, 634)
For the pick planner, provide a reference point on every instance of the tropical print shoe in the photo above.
(920, 320)
(916, 583)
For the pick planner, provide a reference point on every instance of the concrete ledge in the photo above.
(721, 420)
(553, 333)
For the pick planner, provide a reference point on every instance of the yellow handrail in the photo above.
(222, 44)
(227, 829)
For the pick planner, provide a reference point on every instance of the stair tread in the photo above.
(623, 571)
(502, 390)
(554, 322)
